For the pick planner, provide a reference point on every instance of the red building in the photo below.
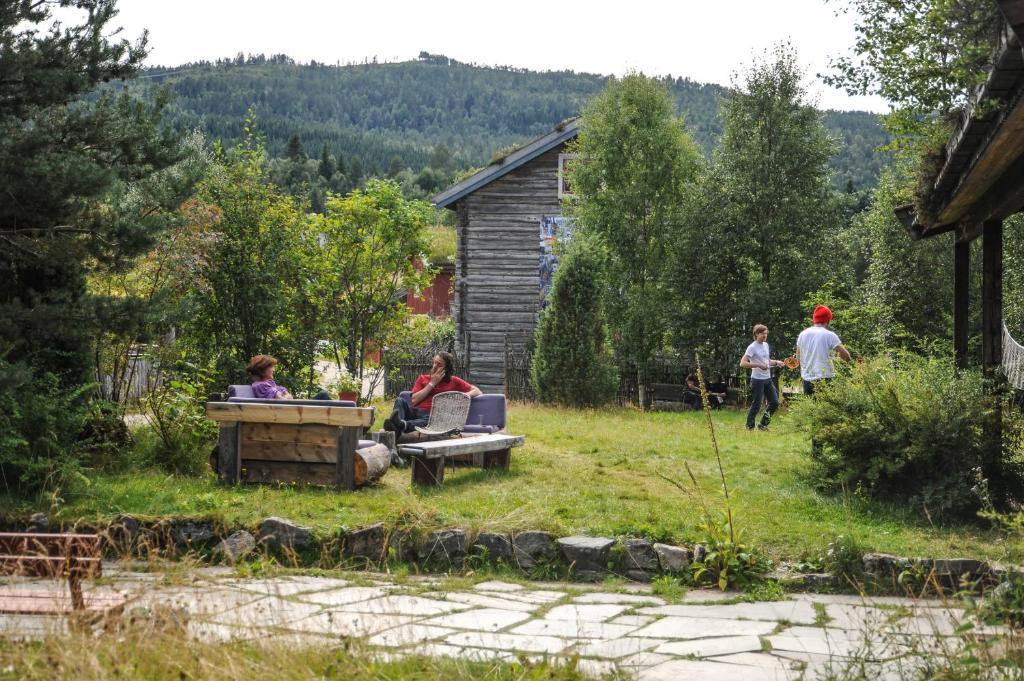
(436, 299)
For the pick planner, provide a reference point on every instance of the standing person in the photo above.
(814, 348)
(406, 415)
(757, 358)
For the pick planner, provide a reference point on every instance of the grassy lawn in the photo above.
(590, 472)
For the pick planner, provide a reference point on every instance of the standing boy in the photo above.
(757, 358)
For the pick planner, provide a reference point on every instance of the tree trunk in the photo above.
(372, 463)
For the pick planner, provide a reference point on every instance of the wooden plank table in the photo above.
(428, 458)
(288, 442)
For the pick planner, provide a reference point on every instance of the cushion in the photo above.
(314, 403)
(486, 412)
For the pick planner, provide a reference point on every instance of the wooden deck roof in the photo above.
(982, 177)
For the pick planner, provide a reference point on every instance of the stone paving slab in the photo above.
(540, 597)
(485, 601)
(269, 611)
(505, 642)
(344, 596)
(498, 586)
(797, 612)
(404, 605)
(408, 634)
(617, 598)
(340, 623)
(482, 619)
(620, 647)
(573, 629)
(696, 627)
(288, 586)
(709, 647)
(585, 613)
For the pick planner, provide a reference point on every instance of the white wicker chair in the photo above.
(448, 414)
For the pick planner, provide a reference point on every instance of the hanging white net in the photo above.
(1013, 360)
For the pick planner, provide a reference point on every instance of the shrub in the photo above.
(40, 430)
(183, 433)
(905, 428)
(572, 364)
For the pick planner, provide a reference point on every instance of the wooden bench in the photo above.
(428, 458)
(59, 556)
(286, 442)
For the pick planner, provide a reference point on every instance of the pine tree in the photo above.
(295, 152)
(327, 167)
(572, 364)
(65, 166)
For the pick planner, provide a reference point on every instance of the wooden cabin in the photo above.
(500, 214)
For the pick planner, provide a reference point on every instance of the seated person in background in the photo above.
(407, 415)
(691, 395)
(261, 368)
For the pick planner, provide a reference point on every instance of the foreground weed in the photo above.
(669, 588)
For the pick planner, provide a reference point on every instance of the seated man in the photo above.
(406, 416)
(261, 368)
(691, 395)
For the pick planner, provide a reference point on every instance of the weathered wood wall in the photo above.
(497, 265)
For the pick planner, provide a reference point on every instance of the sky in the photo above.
(703, 40)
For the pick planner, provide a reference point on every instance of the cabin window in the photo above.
(563, 181)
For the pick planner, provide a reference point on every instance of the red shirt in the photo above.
(453, 383)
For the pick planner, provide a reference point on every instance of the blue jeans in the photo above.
(411, 415)
(762, 389)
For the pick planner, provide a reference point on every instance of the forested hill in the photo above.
(420, 111)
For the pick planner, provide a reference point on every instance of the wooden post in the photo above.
(961, 299)
(228, 460)
(992, 296)
(348, 438)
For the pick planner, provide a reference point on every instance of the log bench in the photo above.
(428, 458)
(284, 441)
(58, 556)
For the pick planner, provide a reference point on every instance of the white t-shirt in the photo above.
(759, 353)
(816, 344)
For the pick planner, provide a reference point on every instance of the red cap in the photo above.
(822, 315)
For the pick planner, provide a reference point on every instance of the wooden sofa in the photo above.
(483, 442)
(283, 441)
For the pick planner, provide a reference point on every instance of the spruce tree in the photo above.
(572, 364)
(80, 176)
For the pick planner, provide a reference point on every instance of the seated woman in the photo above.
(406, 415)
(261, 368)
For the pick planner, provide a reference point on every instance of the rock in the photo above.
(445, 547)
(38, 522)
(497, 547)
(531, 547)
(189, 532)
(699, 551)
(366, 542)
(638, 555)
(587, 556)
(235, 546)
(818, 580)
(402, 545)
(884, 566)
(278, 533)
(949, 571)
(673, 559)
(639, 575)
(123, 533)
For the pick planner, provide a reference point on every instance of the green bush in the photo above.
(41, 431)
(904, 428)
(182, 434)
(572, 364)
